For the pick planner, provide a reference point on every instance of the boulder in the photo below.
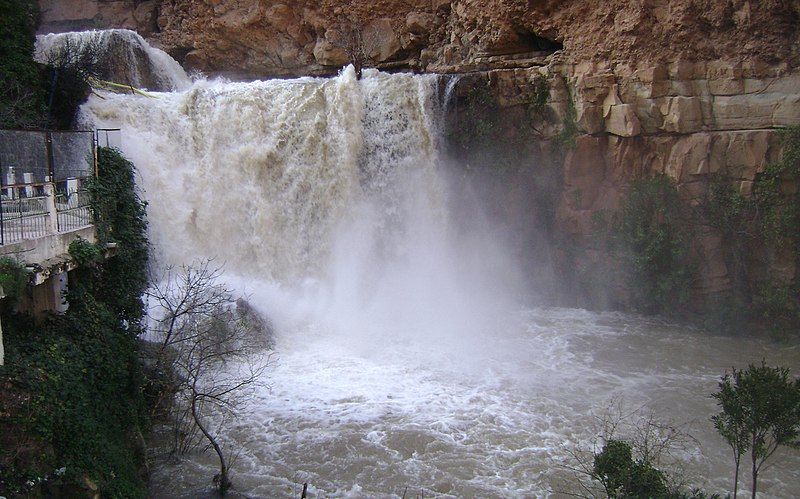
(682, 114)
(328, 54)
(622, 121)
(381, 42)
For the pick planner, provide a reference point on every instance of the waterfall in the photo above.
(122, 56)
(406, 360)
(329, 190)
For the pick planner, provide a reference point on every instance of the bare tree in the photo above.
(212, 349)
(653, 441)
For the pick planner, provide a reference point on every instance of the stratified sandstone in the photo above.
(279, 38)
(687, 88)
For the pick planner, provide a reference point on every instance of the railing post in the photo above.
(50, 199)
(49, 151)
(2, 225)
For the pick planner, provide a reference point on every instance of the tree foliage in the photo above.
(22, 103)
(14, 279)
(34, 95)
(622, 476)
(760, 412)
(68, 71)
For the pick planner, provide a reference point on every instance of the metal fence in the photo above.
(43, 176)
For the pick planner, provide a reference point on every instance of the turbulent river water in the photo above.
(409, 358)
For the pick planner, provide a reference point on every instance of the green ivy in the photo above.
(120, 218)
(478, 123)
(78, 374)
(541, 94)
(770, 218)
(569, 130)
(14, 280)
(779, 209)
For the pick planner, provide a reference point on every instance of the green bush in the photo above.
(652, 238)
(78, 374)
(14, 279)
(84, 253)
(621, 476)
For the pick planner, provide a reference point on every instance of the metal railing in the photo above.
(73, 206)
(43, 177)
(25, 213)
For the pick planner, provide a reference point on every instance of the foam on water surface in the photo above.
(407, 358)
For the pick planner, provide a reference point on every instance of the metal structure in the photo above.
(43, 178)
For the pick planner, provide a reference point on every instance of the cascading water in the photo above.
(121, 55)
(407, 362)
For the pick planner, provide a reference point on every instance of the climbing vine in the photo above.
(77, 411)
(120, 219)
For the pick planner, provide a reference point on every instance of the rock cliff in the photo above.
(278, 38)
(692, 89)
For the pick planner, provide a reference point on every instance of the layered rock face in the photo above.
(279, 38)
(690, 121)
(686, 88)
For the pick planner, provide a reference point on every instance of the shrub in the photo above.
(653, 240)
(78, 376)
(621, 476)
(14, 280)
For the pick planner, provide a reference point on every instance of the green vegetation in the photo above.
(650, 239)
(777, 201)
(22, 95)
(760, 412)
(120, 217)
(649, 244)
(569, 130)
(541, 94)
(79, 404)
(752, 228)
(67, 73)
(85, 253)
(477, 127)
(34, 95)
(655, 242)
(621, 476)
(14, 281)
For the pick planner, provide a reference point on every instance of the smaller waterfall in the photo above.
(122, 56)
